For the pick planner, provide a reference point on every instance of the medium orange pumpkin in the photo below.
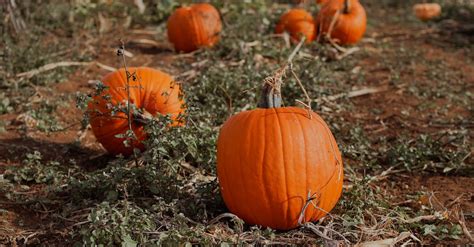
(269, 160)
(153, 91)
(297, 22)
(193, 27)
(427, 11)
(350, 23)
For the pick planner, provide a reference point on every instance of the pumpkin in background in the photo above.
(427, 11)
(154, 91)
(321, 1)
(350, 22)
(297, 22)
(269, 159)
(193, 27)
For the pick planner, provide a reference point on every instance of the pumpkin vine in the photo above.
(130, 135)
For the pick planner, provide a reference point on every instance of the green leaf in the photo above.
(429, 230)
(111, 195)
(128, 242)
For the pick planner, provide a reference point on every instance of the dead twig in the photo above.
(140, 5)
(385, 173)
(186, 76)
(15, 17)
(185, 55)
(80, 223)
(146, 42)
(347, 52)
(308, 105)
(144, 31)
(221, 216)
(358, 93)
(52, 66)
(365, 91)
(316, 231)
(455, 200)
(315, 228)
(295, 51)
(465, 230)
(332, 24)
(423, 218)
(103, 66)
(390, 241)
(229, 100)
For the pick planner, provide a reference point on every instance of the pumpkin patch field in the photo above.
(179, 122)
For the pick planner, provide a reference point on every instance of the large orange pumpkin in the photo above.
(269, 160)
(297, 22)
(193, 27)
(427, 11)
(350, 22)
(153, 90)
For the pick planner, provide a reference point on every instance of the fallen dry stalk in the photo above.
(308, 104)
(347, 52)
(146, 42)
(313, 227)
(224, 215)
(390, 241)
(466, 230)
(52, 66)
(144, 31)
(459, 216)
(422, 218)
(332, 24)
(358, 93)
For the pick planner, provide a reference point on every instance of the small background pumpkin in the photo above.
(297, 22)
(153, 91)
(350, 23)
(321, 1)
(193, 27)
(427, 11)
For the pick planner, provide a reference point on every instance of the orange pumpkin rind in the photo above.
(153, 91)
(273, 161)
(427, 11)
(344, 21)
(193, 27)
(297, 22)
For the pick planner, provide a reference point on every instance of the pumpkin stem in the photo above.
(143, 117)
(271, 92)
(271, 89)
(347, 6)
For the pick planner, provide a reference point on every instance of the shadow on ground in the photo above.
(14, 151)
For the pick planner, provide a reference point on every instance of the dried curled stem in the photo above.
(308, 104)
(347, 7)
(313, 227)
